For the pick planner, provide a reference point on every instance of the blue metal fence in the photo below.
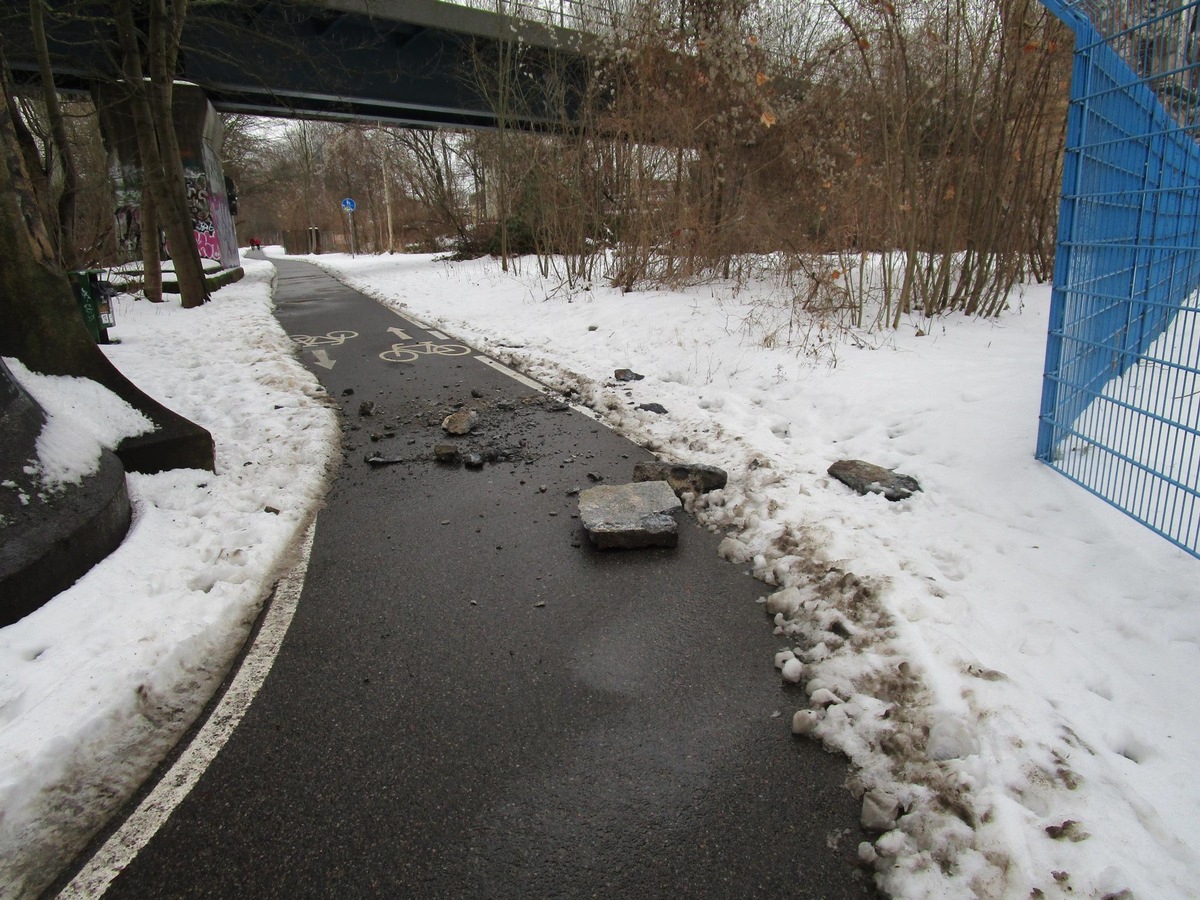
(1121, 397)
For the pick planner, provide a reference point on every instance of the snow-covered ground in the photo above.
(1003, 654)
(96, 685)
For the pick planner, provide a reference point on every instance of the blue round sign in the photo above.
(349, 205)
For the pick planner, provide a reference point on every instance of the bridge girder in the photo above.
(415, 63)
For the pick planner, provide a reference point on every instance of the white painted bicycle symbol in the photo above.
(406, 353)
(333, 339)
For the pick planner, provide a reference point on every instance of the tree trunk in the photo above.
(39, 179)
(44, 329)
(151, 102)
(68, 252)
(151, 251)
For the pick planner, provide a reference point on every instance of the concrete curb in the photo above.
(49, 539)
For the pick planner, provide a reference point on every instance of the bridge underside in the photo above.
(415, 63)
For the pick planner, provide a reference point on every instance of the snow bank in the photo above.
(82, 419)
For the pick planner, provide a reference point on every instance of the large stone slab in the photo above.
(868, 478)
(628, 516)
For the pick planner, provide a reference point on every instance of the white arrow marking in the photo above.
(400, 334)
(322, 359)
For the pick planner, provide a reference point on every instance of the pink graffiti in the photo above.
(208, 245)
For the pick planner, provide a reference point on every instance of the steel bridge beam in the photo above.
(409, 62)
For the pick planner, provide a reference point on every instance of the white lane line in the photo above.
(120, 849)
(438, 335)
(514, 374)
(538, 386)
(409, 319)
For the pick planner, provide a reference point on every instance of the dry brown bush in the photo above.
(911, 147)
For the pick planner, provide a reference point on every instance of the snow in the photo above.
(96, 685)
(81, 418)
(1002, 655)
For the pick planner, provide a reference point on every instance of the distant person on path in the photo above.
(255, 244)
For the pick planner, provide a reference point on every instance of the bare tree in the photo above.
(150, 100)
(65, 208)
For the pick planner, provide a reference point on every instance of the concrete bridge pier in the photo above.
(50, 537)
(200, 133)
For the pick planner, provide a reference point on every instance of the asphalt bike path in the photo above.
(471, 701)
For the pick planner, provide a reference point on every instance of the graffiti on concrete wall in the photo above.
(218, 195)
(207, 241)
(218, 204)
(200, 133)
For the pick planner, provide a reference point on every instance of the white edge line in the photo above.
(438, 334)
(538, 386)
(120, 849)
(514, 374)
(409, 319)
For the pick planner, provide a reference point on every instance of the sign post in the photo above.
(349, 206)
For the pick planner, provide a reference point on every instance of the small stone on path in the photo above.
(384, 460)
(460, 422)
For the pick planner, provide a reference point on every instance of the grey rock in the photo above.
(446, 453)
(473, 460)
(460, 422)
(366, 408)
(628, 516)
(699, 479)
(654, 408)
(868, 478)
(627, 375)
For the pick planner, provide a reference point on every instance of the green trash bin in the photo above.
(95, 302)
